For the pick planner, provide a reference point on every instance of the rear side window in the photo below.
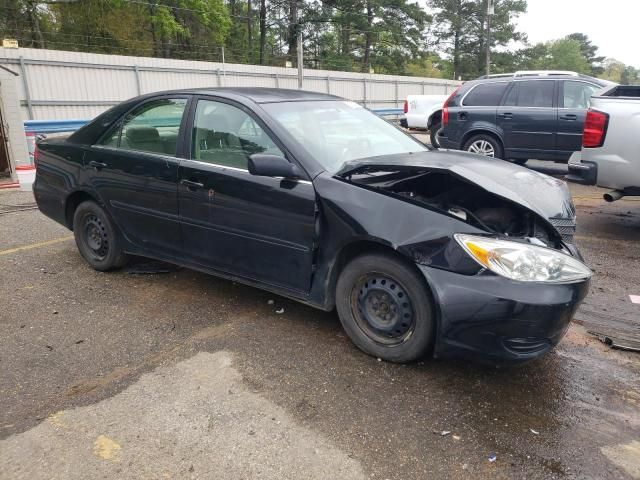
(485, 95)
(531, 93)
(578, 94)
(152, 127)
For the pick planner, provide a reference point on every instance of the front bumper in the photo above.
(583, 172)
(491, 319)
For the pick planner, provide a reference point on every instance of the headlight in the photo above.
(519, 261)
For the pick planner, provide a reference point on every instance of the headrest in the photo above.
(142, 134)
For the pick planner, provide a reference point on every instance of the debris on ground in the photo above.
(444, 433)
(617, 342)
(270, 302)
(456, 437)
(535, 432)
(492, 457)
(280, 311)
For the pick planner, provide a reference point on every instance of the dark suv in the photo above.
(519, 116)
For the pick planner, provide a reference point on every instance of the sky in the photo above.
(612, 25)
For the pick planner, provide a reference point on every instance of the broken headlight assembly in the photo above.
(523, 262)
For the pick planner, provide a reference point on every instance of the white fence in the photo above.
(64, 85)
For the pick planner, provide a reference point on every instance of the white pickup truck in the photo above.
(610, 155)
(424, 112)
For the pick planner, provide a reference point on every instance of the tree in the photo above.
(461, 31)
(566, 54)
(589, 52)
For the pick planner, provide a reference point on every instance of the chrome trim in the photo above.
(236, 169)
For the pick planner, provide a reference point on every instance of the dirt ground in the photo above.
(182, 375)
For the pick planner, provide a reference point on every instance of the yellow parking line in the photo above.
(35, 245)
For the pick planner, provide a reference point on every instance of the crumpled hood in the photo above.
(544, 195)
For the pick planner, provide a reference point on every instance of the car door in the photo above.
(528, 118)
(477, 110)
(260, 228)
(575, 98)
(134, 171)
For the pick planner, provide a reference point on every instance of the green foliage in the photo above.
(446, 39)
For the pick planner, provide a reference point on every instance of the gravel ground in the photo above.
(182, 375)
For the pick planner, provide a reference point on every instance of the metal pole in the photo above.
(300, 59)
(224, 71)
(137, 72)
(25, 83)
(489, 13)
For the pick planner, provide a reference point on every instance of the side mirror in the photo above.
(265, 165)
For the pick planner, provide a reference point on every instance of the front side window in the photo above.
(578, 94)
(485, 95)
(152, 127)
(531, 93)
(226, 135)
(335, 132)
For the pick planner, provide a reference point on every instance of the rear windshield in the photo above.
(485, 95)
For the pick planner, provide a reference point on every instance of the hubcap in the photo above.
(482, 147)
(383, 309)
(95, 234)
(436, 142)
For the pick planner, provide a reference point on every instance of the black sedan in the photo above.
(315, 198)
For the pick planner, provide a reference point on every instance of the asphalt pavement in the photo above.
(182, 375)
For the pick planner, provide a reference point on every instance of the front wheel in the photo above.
(434, 131)
(485, 145)
(97, 238)
(385, 308)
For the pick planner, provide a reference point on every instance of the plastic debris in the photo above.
(456, 437)
(270, 302)
(379, 359)
(535, 432)
(492, 457)
(444, 433)
(280, 311)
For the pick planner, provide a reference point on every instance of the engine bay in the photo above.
(446, 193)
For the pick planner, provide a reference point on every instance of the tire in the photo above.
(484, 143)
(374, 286)
(520, 161)
(433, 134)
(97, 238)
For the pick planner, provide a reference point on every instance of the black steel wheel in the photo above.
(96, 237)
(385, 307)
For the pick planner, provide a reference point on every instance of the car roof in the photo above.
(507, 77)
(257, 94)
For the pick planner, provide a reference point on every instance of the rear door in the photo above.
(477, 109)
(528, 118)
(260, 228)
(134, 170)
(575, 98)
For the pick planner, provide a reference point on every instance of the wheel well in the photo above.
(72, 203)
(435, 116)
(353, 250)
(472, 133)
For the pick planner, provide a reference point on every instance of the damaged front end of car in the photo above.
(497, 253)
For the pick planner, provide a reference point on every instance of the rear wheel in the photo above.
(434, 131)
(485, 145)
(97, 238)
(385, 308)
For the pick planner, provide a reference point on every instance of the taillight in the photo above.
(595, 129)
(405, 109)
(445, 107)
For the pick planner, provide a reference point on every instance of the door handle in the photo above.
(506, 115)
(191, 184)
(568, 117)
(97, 165)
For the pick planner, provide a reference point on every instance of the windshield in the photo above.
(335, 132)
